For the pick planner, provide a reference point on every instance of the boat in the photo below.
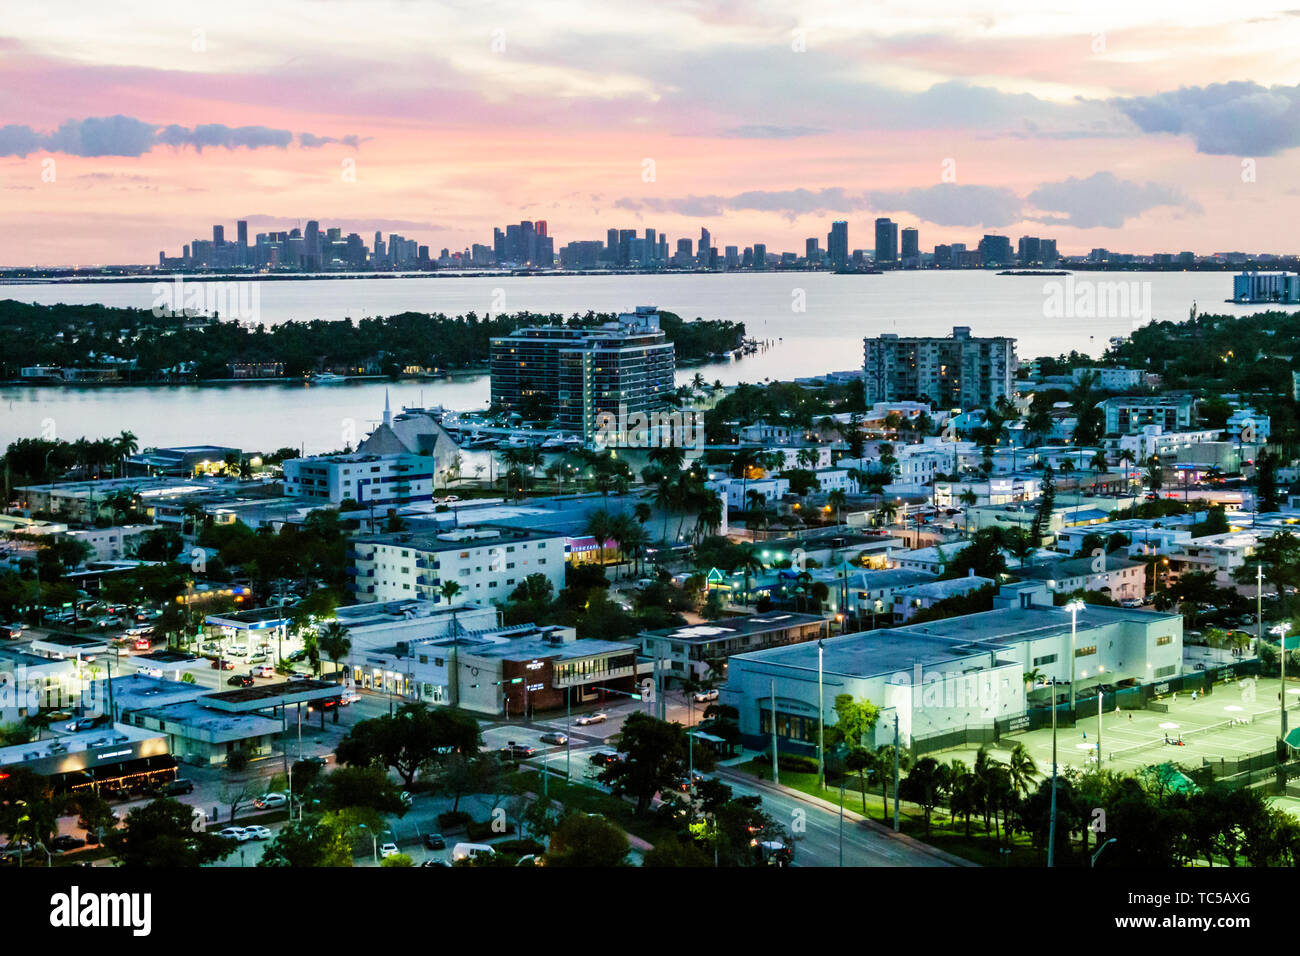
(328, 378)
(560, 440)
(478, 440)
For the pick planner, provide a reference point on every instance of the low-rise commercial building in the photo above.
(699, 652)
(954, 673)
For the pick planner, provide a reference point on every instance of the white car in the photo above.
(149, 671)
(586, 719)
(238, 834)
(388, 849)
(704, 696)
(263, 670)
(237, 650)
(271, 801)
(257, 832)
(350, 697)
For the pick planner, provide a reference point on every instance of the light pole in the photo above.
(1100, 848)
(1259, 605)
(821, 723)
(1280, 630)
(1074, 607)
(1051, 827)
(1100, 700)
(841, 820)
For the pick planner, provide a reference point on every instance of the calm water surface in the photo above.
(814, 321)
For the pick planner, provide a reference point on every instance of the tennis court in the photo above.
(1238, 719)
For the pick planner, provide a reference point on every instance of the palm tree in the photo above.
(836, 500)
(750, 564)
(334, 641)
(965, 793)
(711, 514)
(859, 760)
(884, 769)
(1022, 769)
(1020, 543)
(600, 525)
(125, 445)
(968, 499)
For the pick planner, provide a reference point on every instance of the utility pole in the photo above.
(776, 771)
(895, 771)
(821, 723)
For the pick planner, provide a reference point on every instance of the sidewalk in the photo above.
(865, 822)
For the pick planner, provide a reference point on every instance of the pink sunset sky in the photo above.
(130, 128)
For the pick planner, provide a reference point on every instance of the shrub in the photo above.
(520, 847)
(480, 831)
(453, 820)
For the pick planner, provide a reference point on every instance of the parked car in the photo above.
(435, 863)
(211, 647)
(514, 751)
(389, 849)
(142, 644)
(234, 833)
(237, 650)
(603, 758)
(704, 696)
(554, 737)
(587, 719)
(257, 832)
(222, 664)
(65, 842)
(240, 680)
(150, 671)
(178, 787)
(81, 723)
(406, 798)
(435, 841)
(263, 670)
(271, 801)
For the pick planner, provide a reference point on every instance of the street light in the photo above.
(1074, 607)
(821, 723)
(1102, 847)
(1051, 836)
(1280, 630)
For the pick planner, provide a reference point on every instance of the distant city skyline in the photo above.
(1120, 127)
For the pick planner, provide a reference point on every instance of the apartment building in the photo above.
(371, 480)
(487, 562)
(958, 371)
(574, 374)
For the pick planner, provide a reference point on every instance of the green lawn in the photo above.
(945, 833)
(576, 796)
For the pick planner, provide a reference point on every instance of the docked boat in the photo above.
(328, 378)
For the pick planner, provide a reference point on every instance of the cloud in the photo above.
(771, 132)
(1223, 119)
(947, 204)
(347, 225)
(312, 141)
(1103, 200)
(127, 136)
(950, 204)
(791, 203)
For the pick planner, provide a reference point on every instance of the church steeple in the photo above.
(388, 415)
